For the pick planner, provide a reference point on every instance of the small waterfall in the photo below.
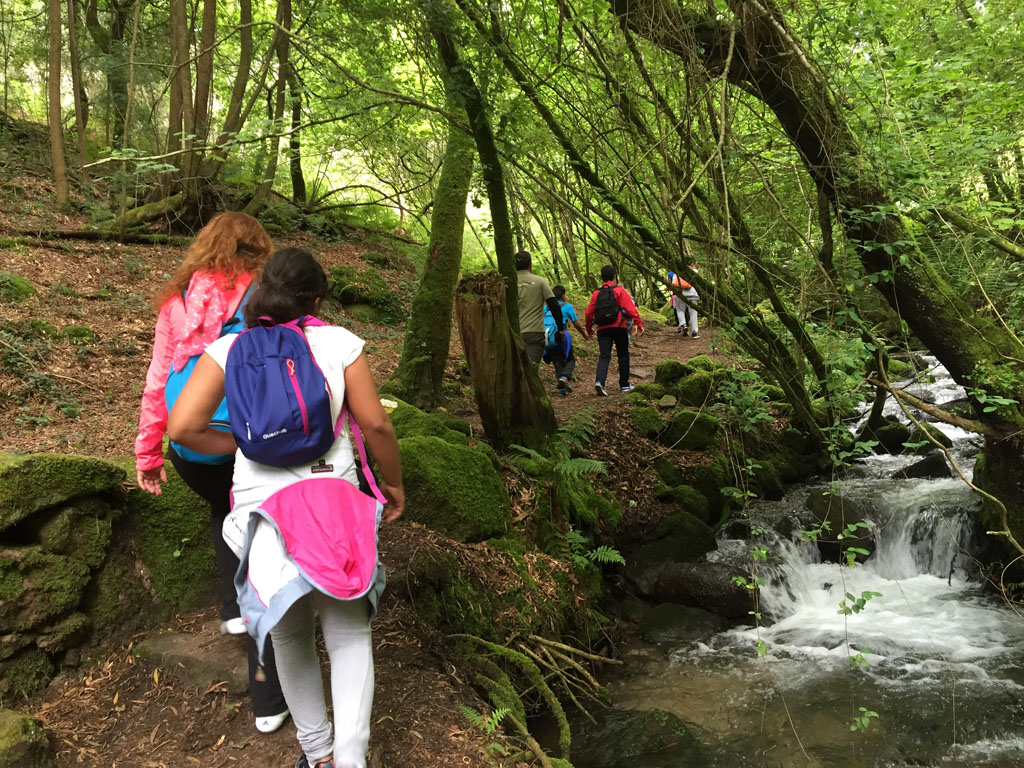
(939, 657)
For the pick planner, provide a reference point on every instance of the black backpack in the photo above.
(606, 309)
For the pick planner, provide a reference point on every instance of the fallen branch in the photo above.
(965, 424)
(39, 238)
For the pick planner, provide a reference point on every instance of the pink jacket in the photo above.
(153, 415)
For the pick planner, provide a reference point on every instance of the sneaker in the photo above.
(271, 723)
(627, 388)
(235, 626)
(302, 762)
(696, 335)
(564, 383)
(599, 389)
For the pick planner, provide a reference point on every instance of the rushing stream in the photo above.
(940, 659)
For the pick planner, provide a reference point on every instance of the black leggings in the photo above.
(212, 482)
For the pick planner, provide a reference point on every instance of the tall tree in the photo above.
(420, 371)
(60, 174)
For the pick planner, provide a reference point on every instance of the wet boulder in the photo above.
(838, 515)
(679, 625)
(625, 737)
(932, 466)
(23, 742)
(712, 587)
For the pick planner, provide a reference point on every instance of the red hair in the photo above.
(232, 242)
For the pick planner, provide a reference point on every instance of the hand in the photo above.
(638, 332)
(149, 480)
(395, 494)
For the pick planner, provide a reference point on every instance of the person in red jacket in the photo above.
(610, 308)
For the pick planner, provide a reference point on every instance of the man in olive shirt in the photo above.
(534, 293)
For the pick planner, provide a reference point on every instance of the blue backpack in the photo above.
(176, 380)
(280, 402)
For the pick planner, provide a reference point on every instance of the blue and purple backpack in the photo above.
(279, 402)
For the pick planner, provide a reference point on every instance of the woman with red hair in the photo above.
(198, 305)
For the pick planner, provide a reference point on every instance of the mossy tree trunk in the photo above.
(509, 395)
(427, 336)
(439, 15)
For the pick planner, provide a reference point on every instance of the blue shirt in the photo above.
(568, 316)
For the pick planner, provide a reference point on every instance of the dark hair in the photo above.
(559, 292)
(607, 273)
(523, 260)
(292, 282)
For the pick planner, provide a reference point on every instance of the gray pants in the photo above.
(534, 346)
(346, 630)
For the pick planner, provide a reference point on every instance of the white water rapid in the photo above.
(938, 657)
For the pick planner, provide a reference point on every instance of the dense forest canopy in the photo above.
(848, 178)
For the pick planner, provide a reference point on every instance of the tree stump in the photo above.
(509, 395)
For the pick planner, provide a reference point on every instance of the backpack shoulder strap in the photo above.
(363, 461)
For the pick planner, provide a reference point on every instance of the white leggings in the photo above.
(346, 630)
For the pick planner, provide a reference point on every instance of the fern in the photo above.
(606, 556)
(569, 468)
(488, 724)
(580, 428)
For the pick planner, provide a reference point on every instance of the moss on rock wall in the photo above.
(31, 483)
(23, 742)
(453, 489)
(36, 586)
(177, 521)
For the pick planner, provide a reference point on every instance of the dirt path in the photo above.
(659, 342)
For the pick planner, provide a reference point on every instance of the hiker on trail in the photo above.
(305, 534)
(610, 308)
(685, 301)
(204, 299)
(561, 355)
(534, 293)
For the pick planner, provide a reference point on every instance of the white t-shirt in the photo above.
(334, 348)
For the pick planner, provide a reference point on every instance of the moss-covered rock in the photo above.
(23, 742)
(66, 633)
(410, 421)
(36, 587)
(81, 530)
(14, 288)
(691, 500)
(176, 521)
(709, 479)
(31, 483)
(668, 372)
(704, 363)
(897, 369)
(695, 390)
(646, 420)
(116, 600)
(650, 390)
(691, 430)
(25, 673)
(453, 489)
(667, 471)
(891, 437)
(353, 286)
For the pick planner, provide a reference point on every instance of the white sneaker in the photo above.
(235, 626)
(271, 723)
(599, 389)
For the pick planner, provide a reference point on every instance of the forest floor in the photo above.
(81, 396)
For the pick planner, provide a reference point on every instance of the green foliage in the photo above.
(580, 554)
(743, 399)
(489, 723)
